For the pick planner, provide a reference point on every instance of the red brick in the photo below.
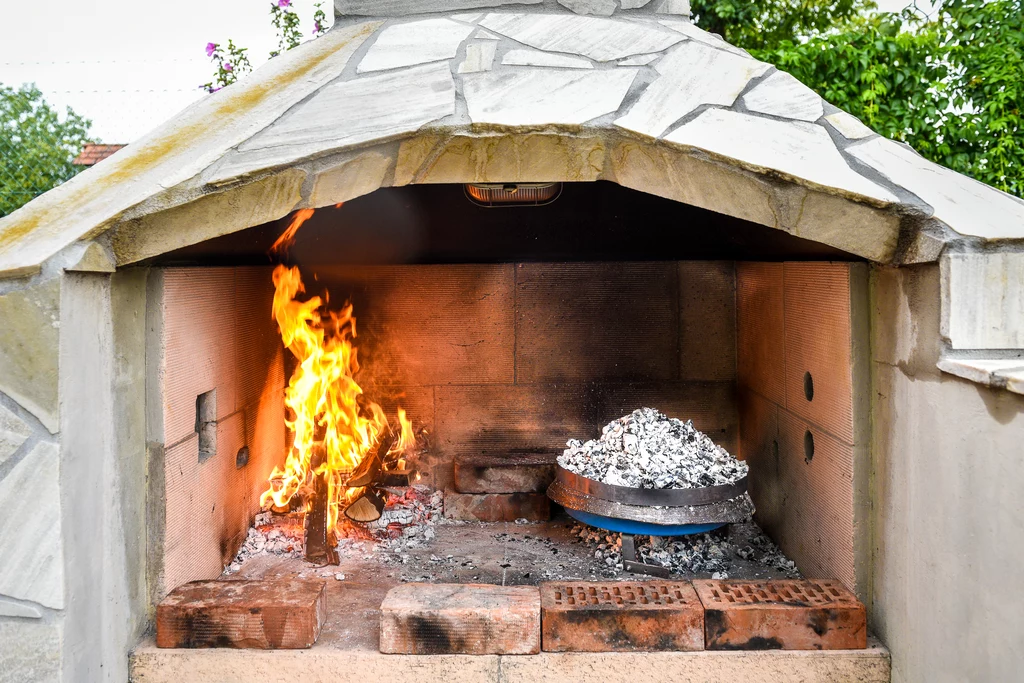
(628, 616)
(781, 615)
(512, 474)
(496, 507)
(472, 619)
(267, 615)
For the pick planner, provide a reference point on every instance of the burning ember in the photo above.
(342, 442)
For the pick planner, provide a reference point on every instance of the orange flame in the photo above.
(287, 237)
(323, 399)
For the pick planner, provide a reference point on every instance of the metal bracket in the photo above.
(634, 566)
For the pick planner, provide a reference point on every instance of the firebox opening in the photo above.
(501, 335)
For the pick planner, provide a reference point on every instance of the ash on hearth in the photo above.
(647, 449)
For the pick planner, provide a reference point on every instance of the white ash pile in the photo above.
(407, 521)
(648, 450)
(741, 550)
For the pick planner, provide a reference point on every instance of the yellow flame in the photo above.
(323, 399)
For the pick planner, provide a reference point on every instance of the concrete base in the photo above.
(150, 665)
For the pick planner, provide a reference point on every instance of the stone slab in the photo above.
(476, 619)
(513, 474)
(620, 616)
(479, 57)
(28, 349)
(781, 615)
(496, 507)
(983, 300)
(964, 204)
(348, 113)
(690, 75)
(604, 8)
(402, 8)
(276, 614)
(600, 39)
(536, 97)
(13, 433)
(31, 544)
(416, 42)
(11, 608)
(526, 57)
(798, 149)
(783, 95)
(849, 126)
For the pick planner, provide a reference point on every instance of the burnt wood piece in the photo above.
(369, 469)
(620, 616)
(367, 508)
(285, 614)
(318, 544)
(471, 619)
(396, 478)
(781, 615)
(531, 473)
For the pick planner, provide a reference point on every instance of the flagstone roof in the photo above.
(642, 98)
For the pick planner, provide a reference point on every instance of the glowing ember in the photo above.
(334, 427)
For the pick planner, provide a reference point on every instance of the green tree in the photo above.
(37, 145)
(754, 24)
(951, 86)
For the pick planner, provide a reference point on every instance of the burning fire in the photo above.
(334, 427)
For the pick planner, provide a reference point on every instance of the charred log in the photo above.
(317, 540)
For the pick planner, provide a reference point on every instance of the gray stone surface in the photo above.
(983, 300)
(13, 608)
(802, 150)
(535, 97)
(993, 372)
(604, 8)
(13, 433)
(638, 60)
(30, 538)
(413, 43)
(782, 95)
(400, 8)
(964, 204)
(30, 651)
(348, 113)
(691, 74)
(479, 57)
(28, 348)
(528, 57)
(600, 39)
(681, 7)
(700, 35)
(849, 126)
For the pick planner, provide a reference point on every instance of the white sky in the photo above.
(131, 64)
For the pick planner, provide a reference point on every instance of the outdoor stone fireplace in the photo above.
(824, 303)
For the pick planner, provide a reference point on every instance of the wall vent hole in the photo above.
(808, 386)
(206, 424)
(808, 446)
(242, 457)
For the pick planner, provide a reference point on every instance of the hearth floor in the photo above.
(501, 553)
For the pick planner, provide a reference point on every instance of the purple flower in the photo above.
(316, 27)
(228, 67)
(210, 49)
(284, 3)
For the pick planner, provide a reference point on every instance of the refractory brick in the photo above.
(278, 614)
(496, 507)
(473, 619)
(628, 616)
(781, 615)
(512, 474)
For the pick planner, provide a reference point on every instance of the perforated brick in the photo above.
(473, 619)
(781, 615)
(620, 616)
(496, 507)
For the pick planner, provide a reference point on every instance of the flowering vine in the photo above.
(232, 61)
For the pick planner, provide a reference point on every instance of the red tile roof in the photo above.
(93, 154)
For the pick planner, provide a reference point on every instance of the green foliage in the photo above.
(36, 146)
(759, 24)
(952, 86)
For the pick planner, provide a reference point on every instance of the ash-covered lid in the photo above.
(602, 8)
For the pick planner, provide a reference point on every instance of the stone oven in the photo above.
(544, 215)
